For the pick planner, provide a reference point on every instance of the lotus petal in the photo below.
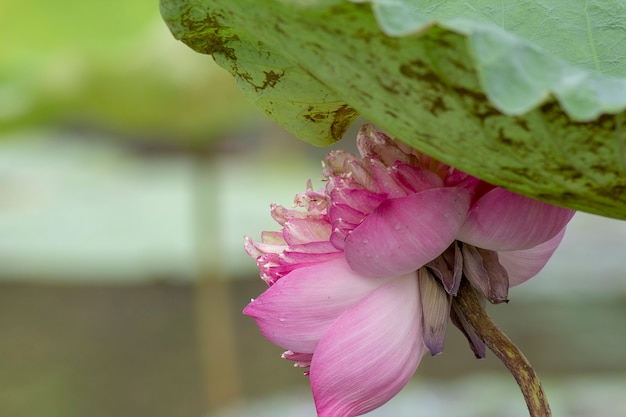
(403, 234)
(525, 264)
(502, 220)
(295, 312)
(370, 353)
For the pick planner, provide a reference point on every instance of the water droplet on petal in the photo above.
(365, 241)
(281, 319)
(397, 226)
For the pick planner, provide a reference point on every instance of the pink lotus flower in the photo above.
(362, 275)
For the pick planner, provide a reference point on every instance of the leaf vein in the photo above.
(592, 45)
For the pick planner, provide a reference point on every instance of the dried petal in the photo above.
(448, 268)
(436, 310)
(484, 272)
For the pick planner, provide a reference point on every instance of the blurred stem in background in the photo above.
(213, 299)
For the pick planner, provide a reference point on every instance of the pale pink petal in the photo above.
(401, 179)
(313, 201)
(295, 311)
(370, 353)
(374, 143)
(403, 234)
(335, 162)
(272, 237)
(255, 250)
(297, 231)
(359, 171)
(526, 263)
(502, 220)
(301, 360)
(384, 180)
(310, 252)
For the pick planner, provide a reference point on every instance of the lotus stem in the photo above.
(505, 350)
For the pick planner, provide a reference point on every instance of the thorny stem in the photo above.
(505, 350)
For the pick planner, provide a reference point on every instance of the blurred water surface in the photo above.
(98, 306)
(477, 395)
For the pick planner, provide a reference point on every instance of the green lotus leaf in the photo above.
(526, 95)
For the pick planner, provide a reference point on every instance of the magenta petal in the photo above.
(403, 234)
(416, 179)
(295, 311)
(370, 353)
(526, 263)
(502, 220)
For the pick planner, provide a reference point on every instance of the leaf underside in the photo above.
(530, 97)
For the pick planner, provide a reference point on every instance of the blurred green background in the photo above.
(130, 170)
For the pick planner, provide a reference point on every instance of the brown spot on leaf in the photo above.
(342, 118)
(419, 70)
(477, 103)
(208, 35)
(391, 114)
(271, 79)
(388, 84)
(503, 138)
(522, 123)
(437, 106)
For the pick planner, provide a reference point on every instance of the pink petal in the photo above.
(416, 179)
(356, 199)
(502, 221)
(526, 263)
(384, 181)
(295, 311)
(370, 353)
(298, 257)
(403, 234)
